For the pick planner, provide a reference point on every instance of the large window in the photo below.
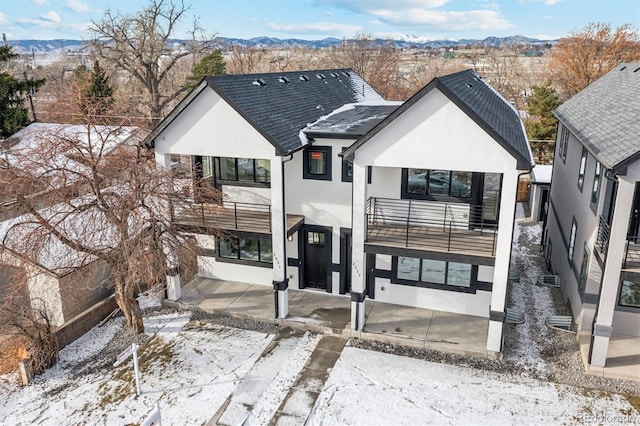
(629, 294)
(243, 170)
(564, 143)
(572, 240)
(246, 249)
(597, 176)
(434, 271)
(317, 163)
(583, 167)
(425, 183)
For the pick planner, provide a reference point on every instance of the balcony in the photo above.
(231, 216)
(602, 239)
(430, 226)
(632, 254)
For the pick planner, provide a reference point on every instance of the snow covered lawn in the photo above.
(190, 368)
(372, 388)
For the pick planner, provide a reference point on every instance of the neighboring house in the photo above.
(59, 280)
(327, 186)
(539, 191)
(591, 232)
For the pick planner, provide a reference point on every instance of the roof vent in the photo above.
(304, 78)
(623, 68)
(283, 80)
(636, 70)
(321, 76)
(469, 85)
(346, 74)
(259, 82)
(334, 74)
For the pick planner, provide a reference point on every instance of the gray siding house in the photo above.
(593, 224)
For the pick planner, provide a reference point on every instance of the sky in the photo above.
(418, 20)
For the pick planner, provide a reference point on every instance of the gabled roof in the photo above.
(605, 116)
(482, 104)
(280, 105)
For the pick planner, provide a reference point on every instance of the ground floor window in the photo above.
(247, 249)
(434, 271)
(630, 294)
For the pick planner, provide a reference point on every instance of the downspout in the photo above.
(282, 285)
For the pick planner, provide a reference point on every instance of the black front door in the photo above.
(316, 257)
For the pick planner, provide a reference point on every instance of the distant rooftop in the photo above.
(605, 116)
(351, 121)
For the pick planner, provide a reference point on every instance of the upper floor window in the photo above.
(597, 176)
(425, 183)
(317, 163)
(347, 169)
(572, 240)
(583, 167)
(243, 170)
(564, 143)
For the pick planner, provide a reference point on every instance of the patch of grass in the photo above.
(634, 400)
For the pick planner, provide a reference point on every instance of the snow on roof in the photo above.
(78, 220)
(342, 121)
(541, 173)
(51, 149)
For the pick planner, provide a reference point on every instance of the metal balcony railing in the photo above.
(436, 226)
(227, 215)
(602, 239)
(632, 253)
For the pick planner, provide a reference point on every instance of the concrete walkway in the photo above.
(331, 314)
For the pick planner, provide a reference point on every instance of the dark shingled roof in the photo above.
(350, 123)
(481, 103)
(605, 116)
(280, 105)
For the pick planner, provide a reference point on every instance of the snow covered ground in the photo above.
(371, 388)
(194, 368)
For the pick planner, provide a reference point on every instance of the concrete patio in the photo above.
(623, 357)
(331, 314)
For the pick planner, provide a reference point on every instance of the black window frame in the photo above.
(347, 166)
(631, 308)
(573, 233)
(306, 173)
(582, 168)
(236, 181)
(595, 188)
(238, 259)
(405, 194)
(564, 143)
(474, 284)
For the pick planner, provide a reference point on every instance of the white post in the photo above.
(279, 239)
(611, 275)
(503, 257)
(136, 370)
(358, 256)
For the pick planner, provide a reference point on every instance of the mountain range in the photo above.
(50, 46)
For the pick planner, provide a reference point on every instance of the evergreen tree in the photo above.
(211, 64)
(97, 96)
(542, 102)
(13, 113)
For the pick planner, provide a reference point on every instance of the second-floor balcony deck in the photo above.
(232, 216)
(453, 228)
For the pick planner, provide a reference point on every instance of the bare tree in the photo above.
(140, 45)
(588, 54)
(121, 217)
(245, 60)
(378, 64)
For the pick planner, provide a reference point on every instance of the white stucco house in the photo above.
(591, 232)
(328, 187)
